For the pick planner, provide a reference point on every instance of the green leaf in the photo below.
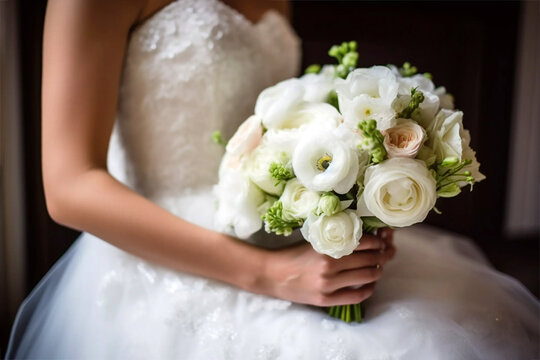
(449, 190)
(372, 223)
(333, 99)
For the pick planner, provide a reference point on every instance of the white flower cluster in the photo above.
(395, 145)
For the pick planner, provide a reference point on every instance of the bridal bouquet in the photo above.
(343, 150)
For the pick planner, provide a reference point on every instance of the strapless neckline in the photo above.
(266, 18)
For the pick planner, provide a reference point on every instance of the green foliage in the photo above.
(216, 138)
(449, 176)
(333, 99)
(280, 172)
(274, 221)
(347, 58)
(373, 141)
(313, 69)
(407, 69)
(417, 97)
(371, 223)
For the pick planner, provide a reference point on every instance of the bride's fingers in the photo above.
(354, 278)
(389, 253)
(360, 259)
(347, 296)
(370, 242)
(386, 234)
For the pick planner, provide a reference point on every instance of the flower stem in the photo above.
(346, 313)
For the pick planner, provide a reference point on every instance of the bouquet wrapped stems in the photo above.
(347, 313)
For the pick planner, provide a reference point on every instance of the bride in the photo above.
(132, 91)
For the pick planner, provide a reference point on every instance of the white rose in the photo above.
(399, 191)
(446, 100)
(298, 202)
(257, 168)
(336, 236)
(238, 200)
(445, 135)
(247, 137)
(368, 94)
(404, 139)
(322, 161)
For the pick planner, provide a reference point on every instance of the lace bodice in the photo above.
(194, 67)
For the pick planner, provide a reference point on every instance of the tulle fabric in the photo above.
(438, 299)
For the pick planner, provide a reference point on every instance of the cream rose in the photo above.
(399, 191)
(298, 202)
(336, 236)
(247, 137)
(404, 139)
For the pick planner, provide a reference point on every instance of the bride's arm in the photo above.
(84, 46)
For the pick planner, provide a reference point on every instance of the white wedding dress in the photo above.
(194, 67)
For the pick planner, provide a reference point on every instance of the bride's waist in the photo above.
(196, 205)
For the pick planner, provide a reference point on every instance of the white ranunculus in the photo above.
(257, 168)
(318, 86)
(322, 161)
(399, 191)
(404, 139)
(364, 107)
(368, 94)
(298, 202)
(285, 140)
(417, 81)
(336, 236)
(238, 200)
(307, 114)
(426, 110)
(276, 102)
(247, 137)
(445, 135)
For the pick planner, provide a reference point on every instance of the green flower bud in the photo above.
(450, 162)
(329, 205)
(313, 69)
(217, 138)
(449, 190)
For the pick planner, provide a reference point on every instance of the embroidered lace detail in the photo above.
(194, 67)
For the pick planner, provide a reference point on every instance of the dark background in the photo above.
(469, 47)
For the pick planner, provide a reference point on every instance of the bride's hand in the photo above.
(301, 275)
(387, 235)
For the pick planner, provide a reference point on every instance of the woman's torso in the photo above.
(194, 67)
